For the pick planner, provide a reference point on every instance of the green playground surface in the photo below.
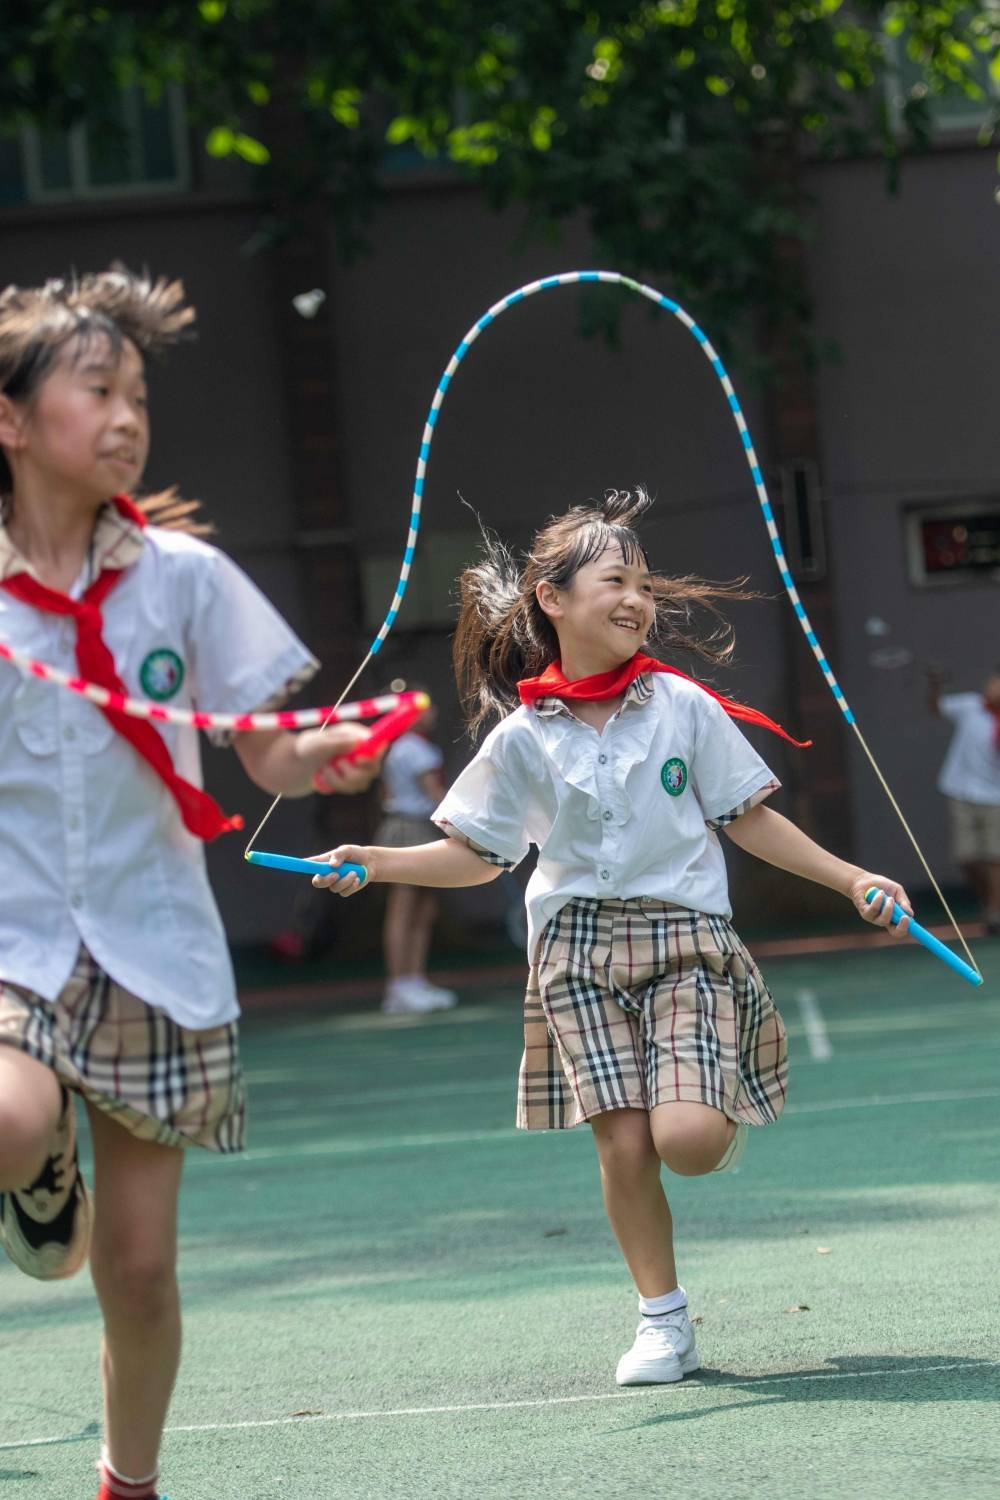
(395, 1294)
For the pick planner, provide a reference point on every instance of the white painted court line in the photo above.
(814, 1025)
(751, 1382)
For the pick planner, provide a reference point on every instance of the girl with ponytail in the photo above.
(645, 1015)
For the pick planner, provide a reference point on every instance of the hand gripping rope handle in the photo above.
(614, 278)
(929, 941)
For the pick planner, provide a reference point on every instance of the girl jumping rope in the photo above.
(115, 981)
(645, 1015)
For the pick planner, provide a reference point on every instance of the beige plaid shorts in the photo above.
(636, 1003)
(163, 1083)
(975, 831)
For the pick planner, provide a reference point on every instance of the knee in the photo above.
(25, 1140)
(626, 1151)
(134, 1283)
(690, 1148)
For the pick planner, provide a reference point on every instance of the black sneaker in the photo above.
(45, 1228)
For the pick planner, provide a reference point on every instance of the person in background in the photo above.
(970, 780)
(412, 786)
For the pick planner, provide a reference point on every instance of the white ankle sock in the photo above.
(655, 1307)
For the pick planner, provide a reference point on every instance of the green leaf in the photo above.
(344, 107)
(718, 86)
(402, 129)
(221, 141)
(212, 11)
(250, 149)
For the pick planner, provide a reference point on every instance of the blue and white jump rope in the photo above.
(969, 971)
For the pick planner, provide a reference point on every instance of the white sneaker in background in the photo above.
(664, 1351)
(408, 997)
(443, 999)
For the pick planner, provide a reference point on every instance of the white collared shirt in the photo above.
(627, 812)
(971, 770)
(92, 847)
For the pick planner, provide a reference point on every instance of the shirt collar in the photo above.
(639, 692)
(117, 543)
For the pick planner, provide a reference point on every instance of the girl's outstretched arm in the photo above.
(773, 838)
(444, 863)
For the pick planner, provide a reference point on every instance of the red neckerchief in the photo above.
(553, 684)
(996, 724)
(200, 813)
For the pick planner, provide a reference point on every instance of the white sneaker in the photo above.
(408, 997)
(443, 999)
(664, 1351)
(733, 1153)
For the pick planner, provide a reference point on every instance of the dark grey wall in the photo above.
(909, 286)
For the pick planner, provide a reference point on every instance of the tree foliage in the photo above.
(674, 127)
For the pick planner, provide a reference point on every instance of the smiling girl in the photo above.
(645, 1015)
(115, 980)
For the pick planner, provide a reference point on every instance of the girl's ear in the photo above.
(10, 423)
(549, 600)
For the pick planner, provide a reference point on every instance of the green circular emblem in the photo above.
(674, 776)
(161, 674)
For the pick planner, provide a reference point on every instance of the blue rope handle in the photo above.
(614, 278)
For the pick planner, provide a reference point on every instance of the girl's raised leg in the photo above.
(634, 1199)
(133, 1262)
(30, 1107)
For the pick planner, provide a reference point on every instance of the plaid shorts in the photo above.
(161, 1082)
(636, 1003)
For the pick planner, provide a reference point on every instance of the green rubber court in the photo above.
(395, 1294)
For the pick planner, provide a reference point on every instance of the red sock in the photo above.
(115, 1486)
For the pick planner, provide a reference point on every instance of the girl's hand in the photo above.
(879, 912)
(320, 750)
(345, 885)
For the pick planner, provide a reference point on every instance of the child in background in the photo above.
(645, 1015)
(411, 787)
(115, 980)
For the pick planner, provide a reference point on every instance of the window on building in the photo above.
(953, 544)
(953, 112)
(150, 155)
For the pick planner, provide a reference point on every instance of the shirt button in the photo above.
(605, 874)
(76, 900)
(606, 815)
(69, 733)
(73, 822)
(602, 759)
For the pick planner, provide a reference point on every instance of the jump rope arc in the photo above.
(615, 278)
(340, 710)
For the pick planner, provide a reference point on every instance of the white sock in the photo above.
(655, 1307)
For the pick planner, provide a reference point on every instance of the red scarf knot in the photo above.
(552, 683)
(200, 813)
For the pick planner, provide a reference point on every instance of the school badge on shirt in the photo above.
(161, 674)
(674, 776)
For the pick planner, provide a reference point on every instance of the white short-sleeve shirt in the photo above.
(409, 758)
(971, 770)
(92, 847)
(623, 813)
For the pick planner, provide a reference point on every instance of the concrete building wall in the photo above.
(909, 287)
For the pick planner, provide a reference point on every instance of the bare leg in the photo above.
(976, 872)
(691, 1139)
(30, 1107)
(423, 927)
(992, 868)
(397, 929)
(133, 1262)
(633, 1197)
